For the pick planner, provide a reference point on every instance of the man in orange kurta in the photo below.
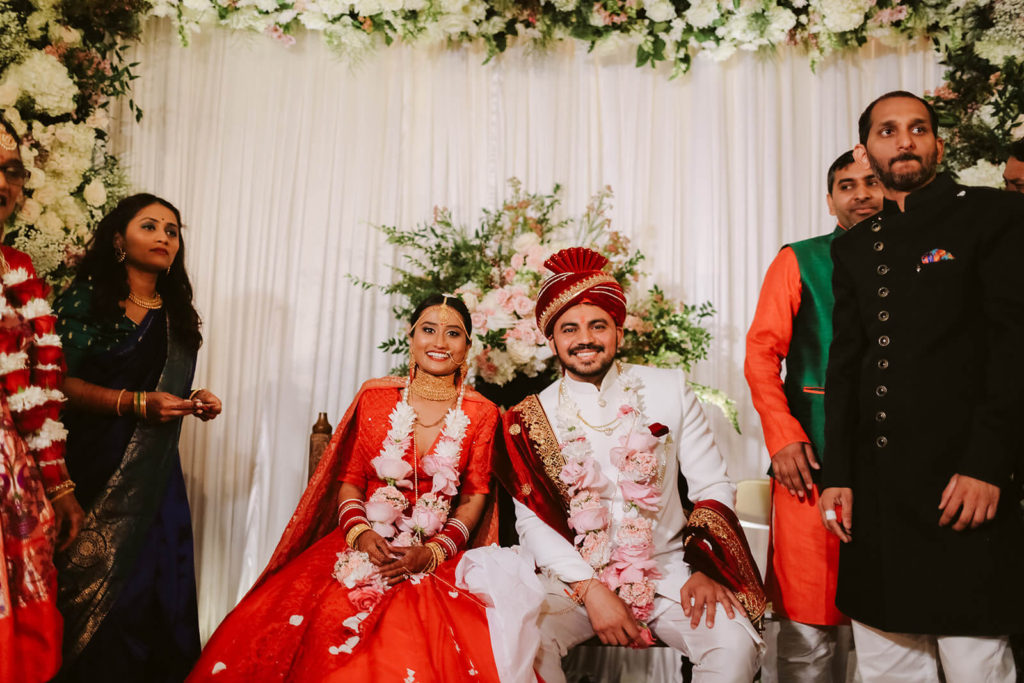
(793, 322)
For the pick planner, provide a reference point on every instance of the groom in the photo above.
(593, 466)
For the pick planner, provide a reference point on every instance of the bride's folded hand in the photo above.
(411, 560)
(374, 545)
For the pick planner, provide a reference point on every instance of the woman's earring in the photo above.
(412, 366)
(120, 254)
(168, 270)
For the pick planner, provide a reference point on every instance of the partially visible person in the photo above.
(922, 413)
(372, 579)
(1013, 173)
(793, 323)
(131, 334)
(38, 509)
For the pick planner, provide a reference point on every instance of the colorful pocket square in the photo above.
(936, 255)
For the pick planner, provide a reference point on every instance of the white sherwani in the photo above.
(690, 451)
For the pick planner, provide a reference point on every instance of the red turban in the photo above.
(578, 278)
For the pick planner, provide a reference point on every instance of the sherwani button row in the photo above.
(880, 416)
(883, 292)
(883, 315)
(882, 269)
(883, 340)
(883, 363)
(881, 442)
(881, 390)
(878, 246)
(875, 226)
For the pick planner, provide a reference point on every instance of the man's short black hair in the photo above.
(1017, 150)
(864, 122)
(844, 160)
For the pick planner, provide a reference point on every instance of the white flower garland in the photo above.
(625, 565)
(386, 508)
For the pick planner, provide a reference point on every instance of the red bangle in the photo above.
(351, 511)
(453, 537)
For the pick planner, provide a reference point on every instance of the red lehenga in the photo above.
(298, 622)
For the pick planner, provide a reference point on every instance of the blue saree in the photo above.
(127, 585)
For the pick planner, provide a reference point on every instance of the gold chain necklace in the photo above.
(607, 428)
(434, 388)
(152, 304)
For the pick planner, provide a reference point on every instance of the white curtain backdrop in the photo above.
(281, 159)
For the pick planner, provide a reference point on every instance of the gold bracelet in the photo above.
(354, 533)
(117, 404)
(61, 489)
(142, 402)
(438, 556)
(579, 596)
(65, 492)
(194, 392)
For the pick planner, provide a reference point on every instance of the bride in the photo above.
(371, 580)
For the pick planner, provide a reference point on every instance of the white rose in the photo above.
(982, 174)
(314, 21)
(30, 211)
(59, 33)
(95, 193)
(660, 10)
(36, 24)
(367, 8)
(520, 352)
(525, 241)
(702, 13)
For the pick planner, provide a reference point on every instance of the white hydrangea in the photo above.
(843, 15)
(9, 91)
(348, 41)
(70, 148)
(565, 5)
(332, 8)
(43, 79)
(982, 174)
(30, 211)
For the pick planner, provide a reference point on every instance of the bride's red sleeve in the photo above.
(477, 474)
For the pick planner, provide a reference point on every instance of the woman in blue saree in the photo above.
(127, 585)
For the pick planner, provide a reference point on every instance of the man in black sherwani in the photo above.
(924, 413)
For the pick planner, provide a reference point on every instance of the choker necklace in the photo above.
(152, 304)
(434, 388)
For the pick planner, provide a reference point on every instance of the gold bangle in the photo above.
(142, 401)
(194, 392)
(438, 556)
(65, 492)
(354, 533)
(117, 403)
(61, 489)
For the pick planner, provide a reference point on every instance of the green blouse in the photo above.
(82, 334)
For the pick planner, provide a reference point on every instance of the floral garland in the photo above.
(981, 103)
(387, 505)
(625, 565)
(31, 369)
(389, 511)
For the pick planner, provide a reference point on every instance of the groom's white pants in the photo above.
(726, 653)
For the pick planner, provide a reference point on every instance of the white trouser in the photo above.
(726, 653)
(914, 658)
(812, 654)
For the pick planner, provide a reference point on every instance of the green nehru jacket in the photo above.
(812, 334)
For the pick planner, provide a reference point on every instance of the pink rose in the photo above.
(364, 598)
(644, 496)
(382, 511)
(403, 540)
(639, 441)
(392, 468)
(645, 639)
(536, 256)
(509, 274)
(479, 320)
(518, 261)
(625, 409)
(523, 305)
(427, 521)
(609, 576)
(633, 563)
(582, 474)
(589, 519)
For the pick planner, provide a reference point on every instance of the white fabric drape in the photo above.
(281, 160)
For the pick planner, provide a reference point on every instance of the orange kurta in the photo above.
(803, 558)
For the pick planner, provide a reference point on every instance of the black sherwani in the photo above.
(924, 381)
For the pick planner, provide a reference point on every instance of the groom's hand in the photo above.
(613, 622)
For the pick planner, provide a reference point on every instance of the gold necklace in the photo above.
(152, 304)
(434, 388)
(607, 428)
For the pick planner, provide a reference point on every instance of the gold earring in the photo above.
(120, 254)
(168, 270)
(412, 366)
